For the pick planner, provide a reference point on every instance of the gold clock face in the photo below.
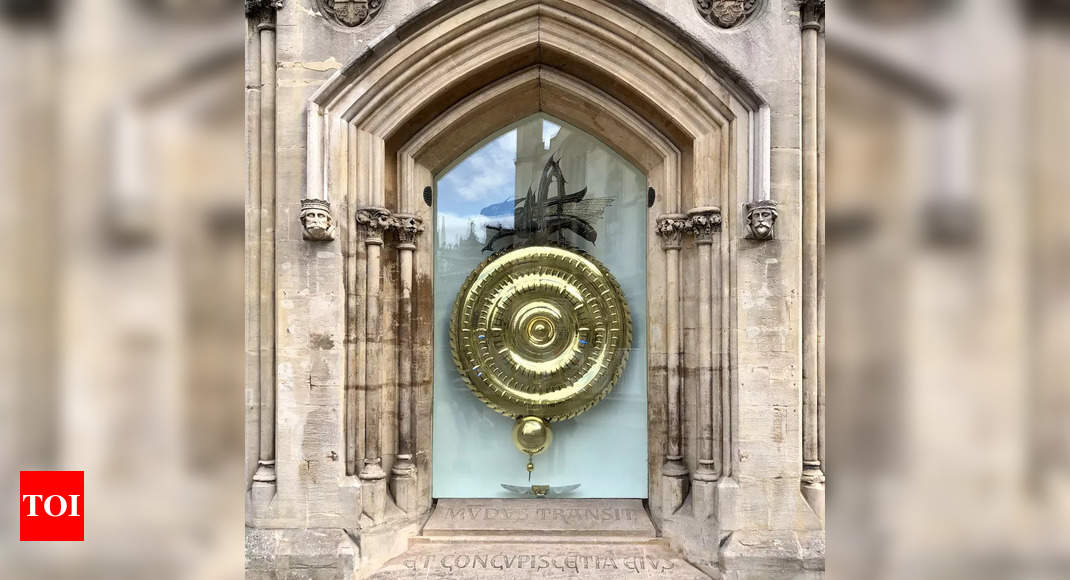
(540, 331)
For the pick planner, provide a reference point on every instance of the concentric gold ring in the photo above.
(541, 331)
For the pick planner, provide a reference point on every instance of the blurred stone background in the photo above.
(122, 175)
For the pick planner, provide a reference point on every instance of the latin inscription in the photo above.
(571, 563)
(567, 516)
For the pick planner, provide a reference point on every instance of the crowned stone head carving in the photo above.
(761, 217)
(316, 219)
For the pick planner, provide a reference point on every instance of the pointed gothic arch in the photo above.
(382, 127)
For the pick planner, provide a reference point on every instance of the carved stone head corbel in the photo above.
(761, 217)
(316, 220)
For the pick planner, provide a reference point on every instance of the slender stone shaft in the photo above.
(703, 222)
(672, 288)
(408, 227)
(266, 469)
(405, 361)
(671, 228)
(372, 370)
(812, 477)
(724, 348)
(821, 249)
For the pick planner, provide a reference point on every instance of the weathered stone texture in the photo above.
(366, 115)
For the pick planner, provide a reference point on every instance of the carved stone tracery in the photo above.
(727, 13)
(350, 13)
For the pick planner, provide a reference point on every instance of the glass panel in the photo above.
(604, 450)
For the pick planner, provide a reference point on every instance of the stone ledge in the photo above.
(774, 554)
(315, 552)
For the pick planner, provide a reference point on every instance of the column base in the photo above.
(674, 487)
(814, 493)
(704, 498)
(813, 488)
(727, 499)
(403, 486)
(263, 488)
(373, 491)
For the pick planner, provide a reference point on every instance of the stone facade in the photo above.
(348, 105)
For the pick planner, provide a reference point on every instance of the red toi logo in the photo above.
(51, 506)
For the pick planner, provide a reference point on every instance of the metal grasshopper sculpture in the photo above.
(540, 218)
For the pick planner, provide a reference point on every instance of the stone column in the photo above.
(264, 480)
(821, 249)
(671, 228)
(375, 221)
(704, 221)
(403, 474)
(813, 480)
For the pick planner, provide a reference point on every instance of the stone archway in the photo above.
(382, 127)
(722, 457)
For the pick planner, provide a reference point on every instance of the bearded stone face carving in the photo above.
(317, 221)
(727, 13)
(350, 12)
(761, 217)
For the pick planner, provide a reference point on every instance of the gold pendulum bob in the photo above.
(540, 334)
(532, 435)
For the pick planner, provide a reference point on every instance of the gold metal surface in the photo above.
(540, 331)
(532, 435)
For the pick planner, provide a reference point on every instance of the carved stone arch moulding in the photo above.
(384, 125)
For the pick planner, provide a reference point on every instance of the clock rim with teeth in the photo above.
(540, 333)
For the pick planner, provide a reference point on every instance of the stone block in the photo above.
(540, 517)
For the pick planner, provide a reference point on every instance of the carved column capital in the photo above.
(374, 221)
(671, 228)
(703, 222)
(761, 217)
(812, 14)
(407, 227)
(316, 220)
(257, 7)
(727, 13)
